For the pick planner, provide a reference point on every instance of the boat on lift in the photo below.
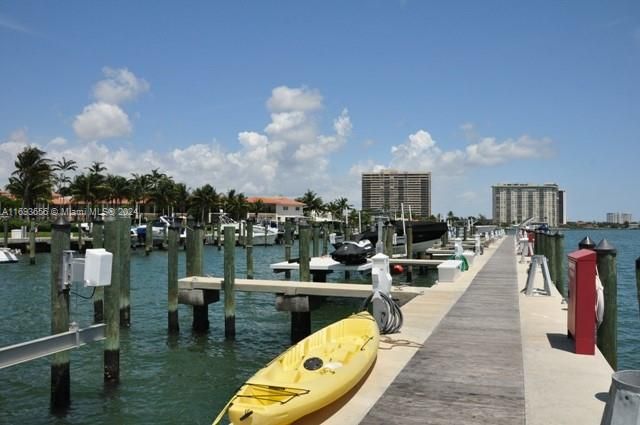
(8, 255)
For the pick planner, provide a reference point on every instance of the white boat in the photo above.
(159, 229)
(263, 234)
(8, 255)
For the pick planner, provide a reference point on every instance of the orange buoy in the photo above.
(397, 269)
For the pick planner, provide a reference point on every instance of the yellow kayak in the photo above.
(308, 376)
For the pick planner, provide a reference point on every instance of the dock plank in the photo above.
(348, 290)
(470, 371)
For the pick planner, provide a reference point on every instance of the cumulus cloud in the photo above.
(284, 98)
(100, 121)
(120, 85)
(105, 119)
(491, 152)
(9, 150)
(421, 152)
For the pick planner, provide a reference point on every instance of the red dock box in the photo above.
(581, 320)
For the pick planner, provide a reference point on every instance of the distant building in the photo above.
(618, 218)
(562, 207)
(514, 203)
(276, 208)
(386, 190)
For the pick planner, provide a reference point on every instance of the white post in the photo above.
(381, 280)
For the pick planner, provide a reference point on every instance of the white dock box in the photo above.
(17, 234)
(97, 267)
(449, 270)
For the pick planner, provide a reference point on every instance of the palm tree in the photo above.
(60, 179)
(88, 188)
(181, 197)
(313, 203)
(138, 190)
(256, 208)
(154, 178)
(31, 180)
(341, 205)
(236, 205)
(97, 167)
(117, 189)
(163, 194)
(203, 200)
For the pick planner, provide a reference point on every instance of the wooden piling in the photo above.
(287, 245)
(325, 240)
(409, 239)
(195, 251)
(6, 232)
(172, 279)
(219, 235)
(301, 320)
(125, 274)
(316, 240)
(148, 238)
(559, 259)
(249, 246)
(551, 257)
(112, 237)
(464, 233)
(60, 364)
(388, 240)
(97, 241)
(638, 280)
(607, 332)
(229, 283)
(32, 243)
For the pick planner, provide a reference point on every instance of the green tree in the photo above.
(61, 180)
(117, 188)
(236, 205)
(31, 181)
(313, 203)
(202, 201)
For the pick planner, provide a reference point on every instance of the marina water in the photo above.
(163, 380)
(189, 378)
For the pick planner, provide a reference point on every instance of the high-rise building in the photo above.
(562, 207)
(514, 203)
(386, 190)
(618, 218)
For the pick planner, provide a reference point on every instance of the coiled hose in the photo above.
(393, 319)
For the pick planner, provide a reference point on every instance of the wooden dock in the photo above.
(347, 290)
(470, 371)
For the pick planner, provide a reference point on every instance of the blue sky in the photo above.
(277, 97)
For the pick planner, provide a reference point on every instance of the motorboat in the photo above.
(159, 229)
(265, 233)
(425, 234)
(8, 255)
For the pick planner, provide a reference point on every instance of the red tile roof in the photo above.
(275, 200)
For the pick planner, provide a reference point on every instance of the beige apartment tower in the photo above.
(514, 203)
(386, 190)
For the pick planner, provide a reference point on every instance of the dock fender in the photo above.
(599, 300)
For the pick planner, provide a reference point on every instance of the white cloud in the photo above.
(56, 142)
(100, 121)
(489, 152)
(284, 98)
(120, 85)
(9, 150)
(422, 153)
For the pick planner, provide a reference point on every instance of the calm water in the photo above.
(187, 379)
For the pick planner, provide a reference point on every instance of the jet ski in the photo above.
(353, 253)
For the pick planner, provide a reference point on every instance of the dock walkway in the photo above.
(471, 369)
